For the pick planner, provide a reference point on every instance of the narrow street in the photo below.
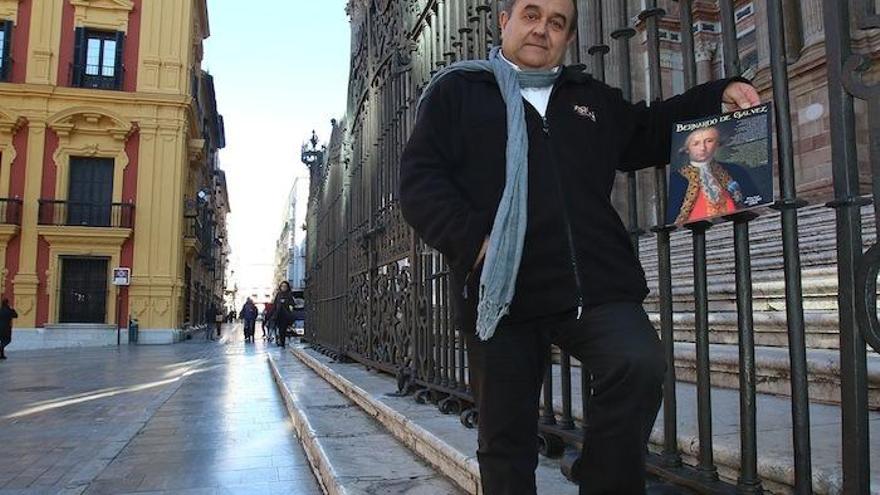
(200, 417)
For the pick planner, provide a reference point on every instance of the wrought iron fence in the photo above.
(76, 213)
(380, 296)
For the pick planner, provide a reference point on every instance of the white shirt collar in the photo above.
(701, 164)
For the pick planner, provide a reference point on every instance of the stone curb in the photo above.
(462, 470)
(318, 461)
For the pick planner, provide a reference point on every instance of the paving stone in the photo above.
(193, 418)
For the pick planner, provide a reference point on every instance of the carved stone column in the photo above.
(704, 53)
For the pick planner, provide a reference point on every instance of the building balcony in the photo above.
(82, 214)
(192, 235)
(10, 211)
(96, 77)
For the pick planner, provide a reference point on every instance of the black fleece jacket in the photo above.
(577, 251)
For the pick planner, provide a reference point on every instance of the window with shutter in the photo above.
(98, 59)
(90, 193)
(5, 50)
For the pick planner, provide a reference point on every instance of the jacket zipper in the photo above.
(545, 127)
(571, 247)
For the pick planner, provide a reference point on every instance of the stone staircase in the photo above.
(449, 448)
(817, 229)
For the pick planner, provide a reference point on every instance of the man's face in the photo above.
(536, 33)
(702, 145)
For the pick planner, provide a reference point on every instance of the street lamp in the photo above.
(312, 155)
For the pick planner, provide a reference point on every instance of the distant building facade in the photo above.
(290, 252)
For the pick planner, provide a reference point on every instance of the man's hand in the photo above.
(739, 96)
(481, 254)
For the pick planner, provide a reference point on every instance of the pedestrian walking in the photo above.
(249, 314)
(266, 324)
(218, 321)
(212, 321)
(282, 311)
(518, 201)
(7, 314)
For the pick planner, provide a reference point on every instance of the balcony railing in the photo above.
(74, 213)
(91, 76)
(10, 211)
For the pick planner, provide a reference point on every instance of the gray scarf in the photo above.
(501, 265)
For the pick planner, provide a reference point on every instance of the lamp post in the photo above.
(312, 155)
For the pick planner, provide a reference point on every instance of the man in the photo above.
(704, 188)
(467, 170)
(7, 314)
(210, 324)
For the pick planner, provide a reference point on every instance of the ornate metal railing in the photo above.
(380, 296)
(83, 214)
(96, 76)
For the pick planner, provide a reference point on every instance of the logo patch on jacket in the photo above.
(585, 112)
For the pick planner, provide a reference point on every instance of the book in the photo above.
(720, 165)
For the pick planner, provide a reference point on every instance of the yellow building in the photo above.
(108, 158)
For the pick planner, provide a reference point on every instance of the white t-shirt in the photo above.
(538, 97)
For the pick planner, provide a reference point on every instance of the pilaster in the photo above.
(26, 282)
(165, 41)
(45, 41)
(158, 240)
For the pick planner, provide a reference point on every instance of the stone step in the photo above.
(349, 451)
(66, 336)
(775, 451)
(822, 329)
(817, 236)
(773, 372)
(444, 442)
(817, 232)
(439, 439)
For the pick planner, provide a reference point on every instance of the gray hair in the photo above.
(508, 5)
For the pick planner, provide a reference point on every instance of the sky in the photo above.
(280, 70)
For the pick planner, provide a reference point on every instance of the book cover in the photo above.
(720, 165)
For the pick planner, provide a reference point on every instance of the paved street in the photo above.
(199, 417)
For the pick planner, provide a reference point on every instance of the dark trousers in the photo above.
(282, 326)
(620, 349)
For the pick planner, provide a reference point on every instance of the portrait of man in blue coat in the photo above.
(702, 187)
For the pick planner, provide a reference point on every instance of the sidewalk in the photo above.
(198, 417)
(351, 451)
